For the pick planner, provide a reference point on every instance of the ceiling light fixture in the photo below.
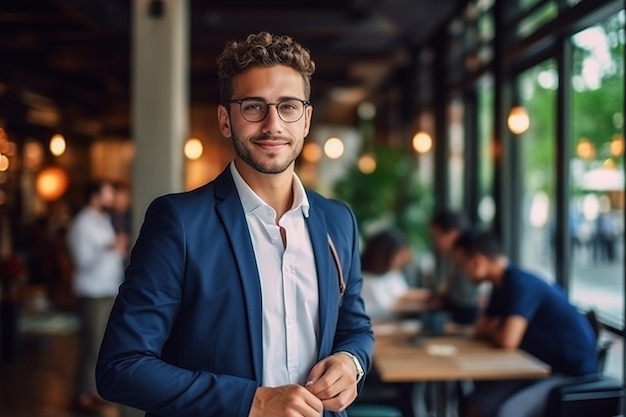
(57, 145)
(518, 120)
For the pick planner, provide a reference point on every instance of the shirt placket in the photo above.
(290, 300)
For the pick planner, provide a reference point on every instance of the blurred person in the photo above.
(121, 213)
(97, 255)
(525, 312)
(455, 294)
(385, 289)
(243, 297)
(387, 295)
(605, 237)
(120, 209)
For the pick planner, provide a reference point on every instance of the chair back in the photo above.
(594, 322)
(603, 349)
(602, 346)
(591, 395)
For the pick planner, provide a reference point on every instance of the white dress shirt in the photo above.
(98, 269)
(381, 292)
(288, 284)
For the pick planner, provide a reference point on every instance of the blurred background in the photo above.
(510, 111)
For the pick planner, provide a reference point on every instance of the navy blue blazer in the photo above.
(184, 337)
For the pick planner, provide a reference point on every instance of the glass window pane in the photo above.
(597, 169)
(527, 4)
(537, 19)
(537, 89)
(486, 205)
(486, 27)
(456, 154)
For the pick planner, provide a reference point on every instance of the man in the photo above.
(455, 293)
(97, 256)
(121, 213)
(242, 298)
(526, 312)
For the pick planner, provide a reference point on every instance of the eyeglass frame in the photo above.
(305, 103)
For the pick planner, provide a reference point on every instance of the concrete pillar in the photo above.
(160, 96)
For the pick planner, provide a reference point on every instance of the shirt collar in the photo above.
(251, 200)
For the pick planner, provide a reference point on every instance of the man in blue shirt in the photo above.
(525, 312)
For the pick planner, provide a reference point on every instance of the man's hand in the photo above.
(121, 243)
(333, 380)
(486, 327)
(285, 401)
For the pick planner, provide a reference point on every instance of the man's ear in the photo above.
(223, 121)
(480, 263)
(308, 112)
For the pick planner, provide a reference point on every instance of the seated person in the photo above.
(526, 312)
(455, 293)
(385, 289)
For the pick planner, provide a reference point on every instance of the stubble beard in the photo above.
(274, 165)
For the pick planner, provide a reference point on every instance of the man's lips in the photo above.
(271, 144)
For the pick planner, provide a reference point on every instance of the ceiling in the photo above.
(65, 64)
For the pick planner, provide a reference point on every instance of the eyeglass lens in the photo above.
(290, 110)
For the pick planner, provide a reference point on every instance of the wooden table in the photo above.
(398, 358)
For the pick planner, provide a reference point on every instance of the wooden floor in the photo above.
(39, 381)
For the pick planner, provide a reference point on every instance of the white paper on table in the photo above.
(441, 350)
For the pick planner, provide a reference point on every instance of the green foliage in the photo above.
(594, 108)
(392, 194)
(538, 143)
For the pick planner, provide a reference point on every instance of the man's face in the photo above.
(270, 146)
(106, 196)
(475, 267)
(443, 241)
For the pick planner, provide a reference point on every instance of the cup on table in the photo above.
(434, 322)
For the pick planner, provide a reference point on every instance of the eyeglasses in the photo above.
(254, 110)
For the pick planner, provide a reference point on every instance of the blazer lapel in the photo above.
(327, 278)
(233, 219)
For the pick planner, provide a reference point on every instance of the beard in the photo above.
(268, 162)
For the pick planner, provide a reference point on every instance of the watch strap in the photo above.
(357, 365)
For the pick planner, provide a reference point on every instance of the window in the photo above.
(537, 89)
(486, 204)
(456, 154)
(597, 169)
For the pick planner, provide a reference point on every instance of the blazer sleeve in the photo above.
(131, 369)
(354, 328)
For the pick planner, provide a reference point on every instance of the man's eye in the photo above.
(254, 107)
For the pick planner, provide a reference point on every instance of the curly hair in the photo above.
(262, 49)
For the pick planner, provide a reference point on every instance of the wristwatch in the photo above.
(357, 365)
